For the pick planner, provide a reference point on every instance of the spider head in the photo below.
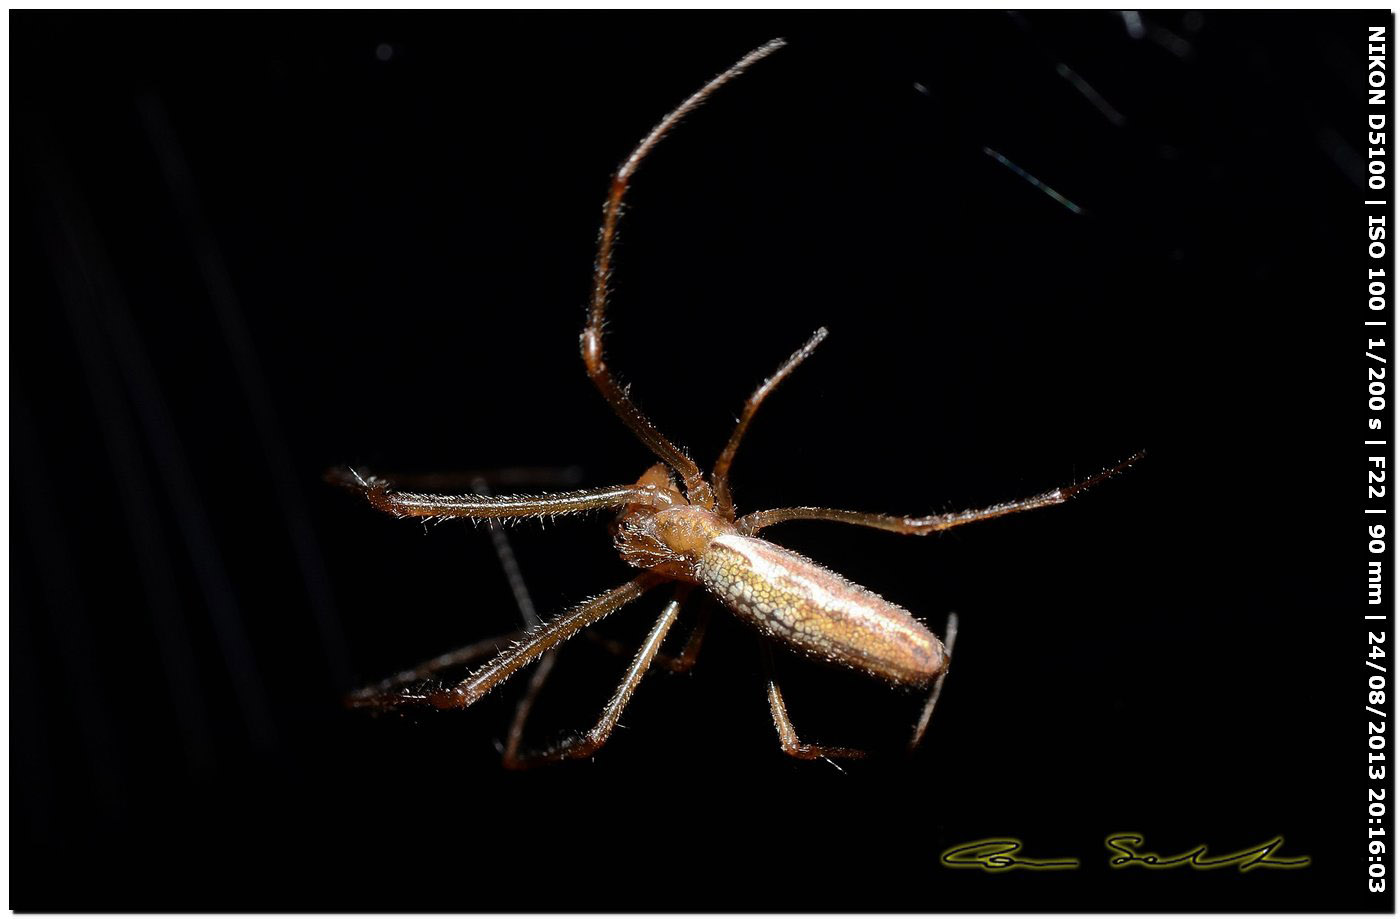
(661, 538)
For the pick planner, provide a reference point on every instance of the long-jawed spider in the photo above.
(687, 533)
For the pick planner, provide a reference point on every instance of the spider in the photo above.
(681, 529)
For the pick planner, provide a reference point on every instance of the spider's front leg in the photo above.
(383, 496)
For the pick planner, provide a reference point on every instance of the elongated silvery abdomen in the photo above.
(815, 610)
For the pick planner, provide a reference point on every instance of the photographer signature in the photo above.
(995, 855)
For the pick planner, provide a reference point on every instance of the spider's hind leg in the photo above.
(950, 636)
(787, 734)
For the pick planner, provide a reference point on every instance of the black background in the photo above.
(249, 247)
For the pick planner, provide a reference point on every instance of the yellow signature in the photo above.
(1000, 854)
(1261, 856)
(996, 855)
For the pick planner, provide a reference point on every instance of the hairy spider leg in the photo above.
(537, 642)
(591, 341)
(511, 756)
(510, 752)
(519, 650)
(505, 554)
(389, 692)
(720, 477)
(587, 744)
(683, 662)
(690, 651)
(950, 636)
(787, 734)
(492, 479)
(922, 526)
(382, 496)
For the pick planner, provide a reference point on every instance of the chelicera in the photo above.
(682, 530)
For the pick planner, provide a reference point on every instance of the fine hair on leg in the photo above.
(538, 641)
(724, 499)
(591, 342)
(922, 526)
(587, 744)
(382, 496)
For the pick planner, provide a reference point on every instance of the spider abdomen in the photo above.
(816, 611)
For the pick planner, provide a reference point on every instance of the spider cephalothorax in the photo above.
(668, 538)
